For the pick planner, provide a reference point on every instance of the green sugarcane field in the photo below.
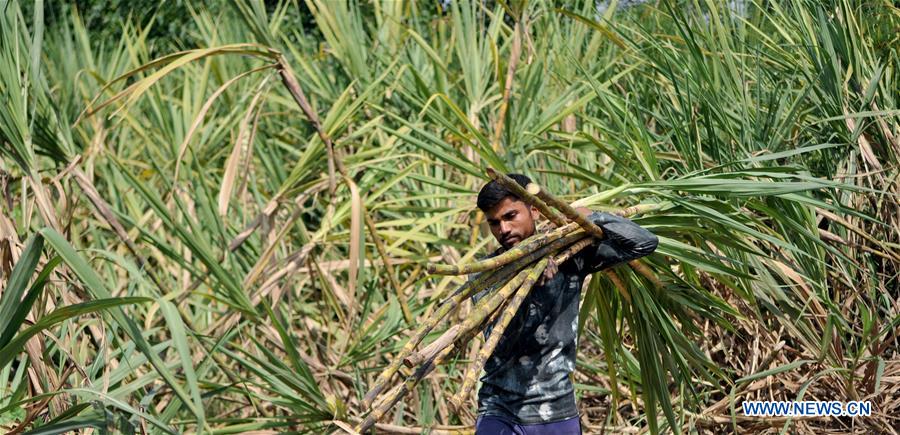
(435, 217)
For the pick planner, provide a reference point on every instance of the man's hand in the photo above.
(552, 268)
(549, 272)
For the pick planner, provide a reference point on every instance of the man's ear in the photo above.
(535, 213)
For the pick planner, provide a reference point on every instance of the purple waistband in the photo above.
(491, 425)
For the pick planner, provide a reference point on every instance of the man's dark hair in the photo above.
(493, 192)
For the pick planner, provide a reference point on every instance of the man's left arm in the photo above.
(623, 240)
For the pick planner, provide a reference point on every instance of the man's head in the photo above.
(511, 220)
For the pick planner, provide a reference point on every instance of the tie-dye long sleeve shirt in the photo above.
(527, 379)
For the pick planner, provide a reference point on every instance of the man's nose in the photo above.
(505, 227)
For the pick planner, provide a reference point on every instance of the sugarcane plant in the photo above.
(502, 283)
(273, 178)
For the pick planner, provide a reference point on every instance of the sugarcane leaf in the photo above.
(69, 426)
(98, 289)
(179, 338)
(12, 349)
(24, 307)
(16, 284)
(774, 371)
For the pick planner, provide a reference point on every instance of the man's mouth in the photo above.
(511, 240)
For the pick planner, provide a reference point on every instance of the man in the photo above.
(527, 385)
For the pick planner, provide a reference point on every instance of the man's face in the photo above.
(511, 221)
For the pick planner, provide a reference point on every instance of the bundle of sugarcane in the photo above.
(502, 283)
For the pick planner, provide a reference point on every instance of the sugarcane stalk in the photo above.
(380, 401)
(398, 393)
(572, 250)
(522, 249)
(486, 279)
(573, 214)
(388, 267)
(386, 403)
(524, 262)
(482, 309)
(385, 376)
(500, 326)
(566, 209)
(506, 316)
(642, 269)
(640, 208)
(508, 270)
(528, 259)
(618, 284)
(489, 305)
(504, 180)
(428, 352)
(429, 323)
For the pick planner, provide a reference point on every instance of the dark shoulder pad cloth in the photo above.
(527, 379)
